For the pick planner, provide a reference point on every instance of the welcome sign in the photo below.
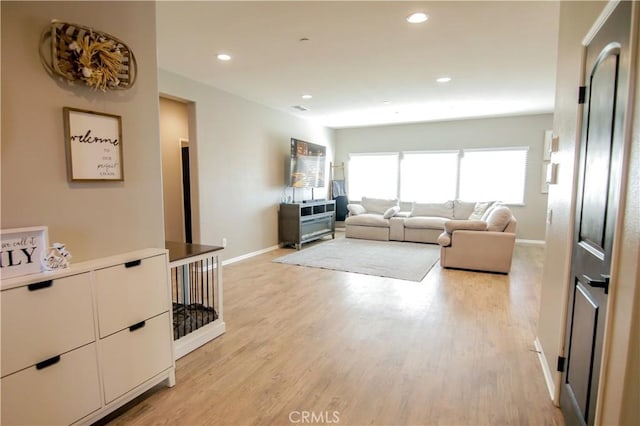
(22, 251)
(94, 145)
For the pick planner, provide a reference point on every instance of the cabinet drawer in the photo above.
(129, 358)
(46, 319)
(130, 293)
(61, 393)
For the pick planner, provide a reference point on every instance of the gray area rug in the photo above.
(391, 259)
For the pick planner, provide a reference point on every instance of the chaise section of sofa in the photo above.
(485, 245)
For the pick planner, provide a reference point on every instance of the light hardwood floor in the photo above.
(454, 349)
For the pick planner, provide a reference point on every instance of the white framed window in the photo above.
(373, 175)
(429, 176)
(493, 174)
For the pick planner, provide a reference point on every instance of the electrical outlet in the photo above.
(224, 242)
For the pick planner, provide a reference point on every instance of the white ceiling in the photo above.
(500, 55)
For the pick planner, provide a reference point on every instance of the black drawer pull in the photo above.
(48, 362)
(134, 327)
(133, 263)
(40, 285)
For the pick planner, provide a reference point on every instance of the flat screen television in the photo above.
(307, 165)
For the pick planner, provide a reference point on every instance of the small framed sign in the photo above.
(22, 250)
(94, 145)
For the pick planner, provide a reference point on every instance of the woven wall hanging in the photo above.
(80, 53)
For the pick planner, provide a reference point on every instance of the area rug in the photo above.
(391, 259)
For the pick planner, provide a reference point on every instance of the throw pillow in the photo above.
(433, 209)
(444, 239)
(479, 210)
(498, 219)
(463, 209)
(391, 211)
(356, 209)
(469, 225)
(378, 205)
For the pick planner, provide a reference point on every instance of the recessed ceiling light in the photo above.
(443, 79)
(417, 18)
(224, 57)
(306, 96)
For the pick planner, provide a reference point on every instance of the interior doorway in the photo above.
(186, 190)
(598, 197)
(178, 157)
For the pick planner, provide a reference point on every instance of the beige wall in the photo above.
(620, 389)
(241, 150)
(93, 219)
(477, 133)
(575, 20)
(174, 126)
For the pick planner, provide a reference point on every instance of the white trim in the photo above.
(497, 148)
(548, 376)
(537, 243)
(197, 338)
(371, 154)
(433, 151)
(249, 255)
(597, 25)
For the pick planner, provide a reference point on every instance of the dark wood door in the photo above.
(598, 195)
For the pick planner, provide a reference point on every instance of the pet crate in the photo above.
(196, 291)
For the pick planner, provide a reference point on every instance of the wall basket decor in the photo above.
(79, 53)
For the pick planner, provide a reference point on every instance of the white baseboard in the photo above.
(537, 243)
(249, 255)
(548, 377)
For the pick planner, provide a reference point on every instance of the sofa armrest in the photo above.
(469, 225)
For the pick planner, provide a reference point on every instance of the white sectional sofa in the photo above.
(473, 235)
(379, 219)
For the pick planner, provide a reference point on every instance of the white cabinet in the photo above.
(81, 342)
(127, 293)
(61, 393)
(45, 319)
(132, 355)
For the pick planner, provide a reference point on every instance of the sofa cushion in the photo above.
(356, 209)
(498, 219)
(425, 222)
(489, 209)
(378, 205)
(463, 209)
(391, 211)
(479, 209)
(469, 225)
(368, 219)
(433, 209)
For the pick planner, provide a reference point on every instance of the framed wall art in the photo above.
(22, 250)
(94, 145)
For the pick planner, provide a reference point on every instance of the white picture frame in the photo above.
(94, 145)
(544, 186)
(548, 145)
(23, 250)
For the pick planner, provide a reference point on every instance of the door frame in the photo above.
(621, 202)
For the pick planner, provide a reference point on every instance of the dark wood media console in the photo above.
(300, 223)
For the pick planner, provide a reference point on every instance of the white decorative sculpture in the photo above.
(56, 257)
